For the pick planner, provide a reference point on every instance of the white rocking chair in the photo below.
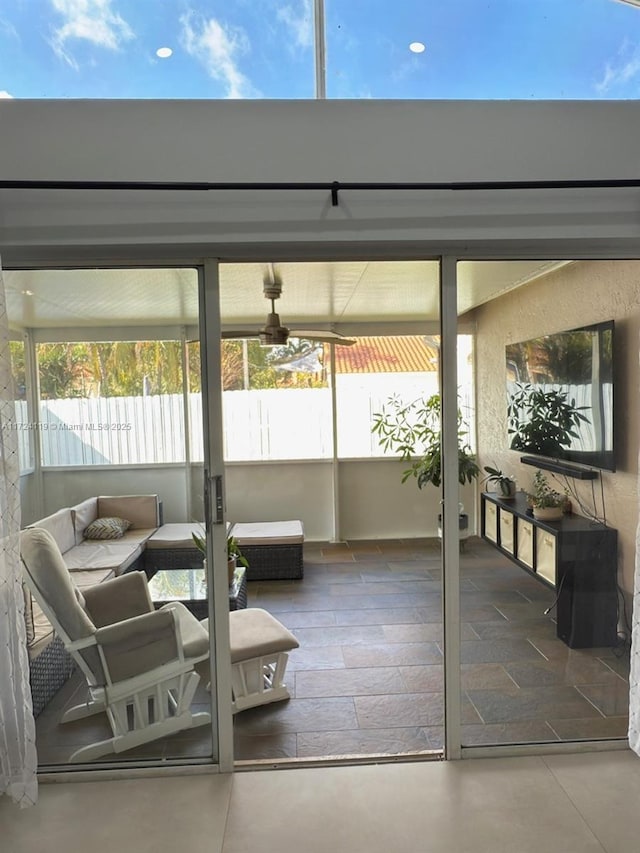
(139, 663)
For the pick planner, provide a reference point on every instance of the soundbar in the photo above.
(559, 467)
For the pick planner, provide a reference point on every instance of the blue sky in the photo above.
(523, 49)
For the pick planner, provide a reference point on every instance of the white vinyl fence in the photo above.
(116, 430)
(258, 425)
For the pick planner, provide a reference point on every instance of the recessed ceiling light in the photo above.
(164, 52)
(417, 47)
(27, 292)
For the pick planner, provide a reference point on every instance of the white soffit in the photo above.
(101, 297)
(482, 281)
(314, 294)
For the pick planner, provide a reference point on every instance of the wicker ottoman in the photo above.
(171, 547)
(273, 549)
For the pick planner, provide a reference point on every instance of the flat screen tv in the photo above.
(560, 396)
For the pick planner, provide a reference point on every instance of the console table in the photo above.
(575, 556)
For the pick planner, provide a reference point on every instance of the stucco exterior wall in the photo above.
(581, 293)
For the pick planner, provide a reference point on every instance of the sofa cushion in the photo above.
(83, 514)
(60, 526)
(107, 528)
(92, 555)
(141, 510)
(175, 535)
(268, 532)
(90, 577)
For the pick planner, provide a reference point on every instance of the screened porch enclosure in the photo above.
(119, 389)
(109, 402)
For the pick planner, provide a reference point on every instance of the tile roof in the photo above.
(406, 354)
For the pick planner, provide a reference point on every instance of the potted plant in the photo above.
(504, 485)
(234, 554)
(547, 504)
(413, 430)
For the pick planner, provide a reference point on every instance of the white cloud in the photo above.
(92, 20)
(217, 48)
(4, 94)
(620, 70)
(299, 19)
(8, 29)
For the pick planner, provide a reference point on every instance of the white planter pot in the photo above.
(547, 513)
(231, 568)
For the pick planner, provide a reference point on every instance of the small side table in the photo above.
(190, 587)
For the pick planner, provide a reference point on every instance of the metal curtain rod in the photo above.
(333, 187)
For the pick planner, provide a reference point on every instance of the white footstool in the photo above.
(259, 656)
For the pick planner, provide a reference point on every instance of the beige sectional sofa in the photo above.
(90, 562)
(273, 549)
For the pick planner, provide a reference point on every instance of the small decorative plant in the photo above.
(544, 498)
(234, 554)
(504, 485)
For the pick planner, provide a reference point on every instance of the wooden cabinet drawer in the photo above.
(546, 555)
(491, 521)
(525, 539)
(507, 530)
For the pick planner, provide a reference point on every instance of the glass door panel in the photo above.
(105, 349)
(367, 679)
(545, 600)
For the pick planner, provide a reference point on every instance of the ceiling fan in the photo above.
(274, 333)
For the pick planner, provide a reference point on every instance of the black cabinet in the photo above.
(575, 556)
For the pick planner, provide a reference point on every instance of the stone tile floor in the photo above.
(368, 680)
(368, 676)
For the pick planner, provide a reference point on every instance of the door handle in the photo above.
(213, 488)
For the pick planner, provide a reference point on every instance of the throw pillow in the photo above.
(107, 528)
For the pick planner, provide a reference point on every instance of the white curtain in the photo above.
(634, 675)
(18, 761)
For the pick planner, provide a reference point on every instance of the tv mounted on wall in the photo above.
(560, 396)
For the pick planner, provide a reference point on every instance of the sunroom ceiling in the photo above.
(316, 295)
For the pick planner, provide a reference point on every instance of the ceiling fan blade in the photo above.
(232, 334)
(324, 337)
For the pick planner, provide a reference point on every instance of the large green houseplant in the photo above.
(413, 431)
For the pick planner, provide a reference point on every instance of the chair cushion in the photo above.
(107, 528)
(195, 635)
(254, 632)
(49, 576)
